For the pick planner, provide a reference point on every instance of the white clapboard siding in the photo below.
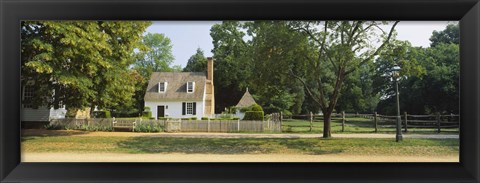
(42, 114)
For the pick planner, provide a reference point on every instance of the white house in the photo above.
(37, 115)
(246, 101)
(181, 94)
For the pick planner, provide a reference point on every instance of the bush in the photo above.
(256, 107)
(253, 115)
(236, 118)
(147, 114)
(126, 114)
(102, 114)
(146, 108)
(190, 118)
(204, 118)
(148, 128)
(163, 118)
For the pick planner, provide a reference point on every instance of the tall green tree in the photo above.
(232, 63)
(341, 48)
(451, 34)
(86, 62)
(197, 62)
(154, 55)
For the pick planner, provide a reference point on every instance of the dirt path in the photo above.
(176, 157)
(37, 132)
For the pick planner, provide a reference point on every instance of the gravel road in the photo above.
(30, 132)
(177, 157)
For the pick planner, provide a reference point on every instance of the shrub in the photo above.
(147, 114)
(204, 118)
(148, 128)
(126, 114)
(253, 115)
(256, 107)
(190, 118)
(102, 114)
(236, 118)
(146, 108)
(163, 118)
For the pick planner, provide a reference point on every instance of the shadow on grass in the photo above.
(45, 132)
(223, 146)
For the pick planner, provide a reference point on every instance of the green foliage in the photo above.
(147, 114)
(253, 115)
(429, 80)
(154, 55)
(146, 108)
(451, 34)
(256, 107)
(126, 113)
(86, 62)
(102, 114)
(155, 127)
(190, 118)
(204, 118)
(163, 118)
(197, 62)
(232, 68)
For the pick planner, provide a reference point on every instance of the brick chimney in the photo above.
(210, 68)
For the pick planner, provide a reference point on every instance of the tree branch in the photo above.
(376, 51)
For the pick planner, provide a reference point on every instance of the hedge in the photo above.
(102, 114)
(253, 115)
(147, 114)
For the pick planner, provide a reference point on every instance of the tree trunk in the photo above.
(326, 125)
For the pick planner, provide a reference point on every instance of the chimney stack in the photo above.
(210, 69)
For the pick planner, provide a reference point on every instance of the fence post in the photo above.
(311, 120)
(406, 122)
(343, 121)
(238, 125)
(438, 122)
(375, 121)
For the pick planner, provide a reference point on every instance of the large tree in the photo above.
(154, 55)
(341, 48)
(232, 64)
(86, 62)
(197, 62)
(451, 34)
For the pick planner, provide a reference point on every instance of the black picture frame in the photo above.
(12, 12)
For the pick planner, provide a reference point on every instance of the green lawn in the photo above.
(352, 125)
(88, 144)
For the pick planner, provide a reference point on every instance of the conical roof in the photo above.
(246, 101)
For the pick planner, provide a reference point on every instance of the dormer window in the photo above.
(162, 87)
(190, 86)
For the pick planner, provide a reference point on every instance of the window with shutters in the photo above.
(189, 108)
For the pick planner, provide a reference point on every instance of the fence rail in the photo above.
(437, 122)
(270, 125)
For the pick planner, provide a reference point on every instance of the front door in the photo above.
(160, 111)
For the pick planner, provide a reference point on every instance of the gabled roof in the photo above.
(246, 101)
(176, 86)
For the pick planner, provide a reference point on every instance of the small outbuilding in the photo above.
(246, 101)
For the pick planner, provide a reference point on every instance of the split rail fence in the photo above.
(408, 121)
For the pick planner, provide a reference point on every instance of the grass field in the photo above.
(352, 125)
(146, 145)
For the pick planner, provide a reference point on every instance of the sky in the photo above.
(187, 36)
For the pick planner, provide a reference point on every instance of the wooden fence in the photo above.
(408, 121)
(270, 125)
